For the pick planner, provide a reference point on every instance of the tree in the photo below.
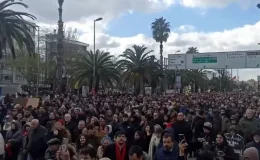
(106, 71)
(161, 30)
(15, 29)
(137, 67)
(28, 67)
(192, 50)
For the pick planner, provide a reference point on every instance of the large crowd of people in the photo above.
(119, 126)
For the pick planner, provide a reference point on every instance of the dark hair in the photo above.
(201, 112)
(166, 135)
(120, 132)
(90, 127)
(135, 150)
(206, 155)
(88, 151)
(96, 124)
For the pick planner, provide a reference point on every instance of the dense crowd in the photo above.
(120, 126)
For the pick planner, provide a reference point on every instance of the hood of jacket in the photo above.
(168, 130)
(146, 156)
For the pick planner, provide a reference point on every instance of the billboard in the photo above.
(176, 61)
(205, 60)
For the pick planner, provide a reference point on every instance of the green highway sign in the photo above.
(204, 60)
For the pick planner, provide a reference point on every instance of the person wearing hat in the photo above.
(209, 136)
(119, 149)
(105, 141)
(53, 147)
(256, 141)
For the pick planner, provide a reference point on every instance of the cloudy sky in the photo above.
(209, 25)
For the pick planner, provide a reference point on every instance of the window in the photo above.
(5, 56)
(6, 77)
(19, 78)
(4, 66)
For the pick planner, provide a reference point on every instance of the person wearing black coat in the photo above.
(221, 148)
(36, 146)
(119, 149)
(127, 129)
(182, 127)
(197, 129)
(70, 124)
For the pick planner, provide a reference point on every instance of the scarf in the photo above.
(8, 150)
(25, 133)
(120, 155)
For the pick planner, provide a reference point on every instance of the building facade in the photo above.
(10, 79)
(70, 49)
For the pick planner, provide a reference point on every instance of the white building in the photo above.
(10, 79)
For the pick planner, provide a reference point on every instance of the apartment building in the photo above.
(70, 48)
(10, 79)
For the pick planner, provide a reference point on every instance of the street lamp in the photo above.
(94, 57)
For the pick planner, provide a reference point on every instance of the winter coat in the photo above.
(2, 145)
(162, 154)
(49, 155)
(182, 127)
(14, 133)
(248, 126)
(153, 145)
(36, 145)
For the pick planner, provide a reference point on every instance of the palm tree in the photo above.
(14, 29)
(137, 67)
(106, 71)
(161, 30)
(192, 50)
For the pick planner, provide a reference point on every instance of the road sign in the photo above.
(176, 61)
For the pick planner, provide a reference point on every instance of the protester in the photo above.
(36, 145)
(53, 147)
(119, 149)
(170, 149)
(2, 147)
(251, 154)
(96, 121)
(255, 142)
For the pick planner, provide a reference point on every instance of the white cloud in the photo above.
(80, 14)
(76, 10)
(186, 28)
(217, 3)
(241, 38)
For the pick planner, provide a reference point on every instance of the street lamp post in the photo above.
(94, 52)
(60, 62)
